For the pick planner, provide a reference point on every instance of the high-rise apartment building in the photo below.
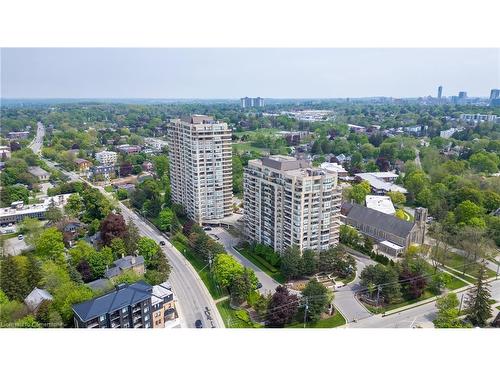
(288, 202)
(440, 92)
(247, 102)
(106, 157)
(200, 154)
(494, 94)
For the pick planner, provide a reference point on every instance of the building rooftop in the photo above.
(380, 203)
(125, 295)
(20, 208)
(160, 292)
(36, 297)
(37, 171)
(377, 219)
(375, 181)
(123, 264)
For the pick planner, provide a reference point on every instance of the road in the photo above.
(192, 295)
(37, 142)
(344, 297)
(228, 240)
(418, 316)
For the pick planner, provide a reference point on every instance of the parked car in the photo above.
(207, 229)
(259, 285)
(20, 237)
(162, 243)
(198, 324)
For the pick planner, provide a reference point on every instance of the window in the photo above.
(102, 318)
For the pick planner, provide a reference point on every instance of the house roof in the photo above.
(379, 220)
(125, 296)
(36, 297)
(380, 203)
(122, 264)
(160, 292)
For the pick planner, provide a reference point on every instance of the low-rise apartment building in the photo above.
(288, 202)
(163, 303)
(18, 211)
(106, 157)
(129, 306)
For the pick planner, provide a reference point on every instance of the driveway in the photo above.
(228, 240)
(14, 246)
(345, 299)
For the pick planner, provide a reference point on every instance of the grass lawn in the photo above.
(457, 261)
(336, 320)
(253, 133)
(201, 268)
(235, 318)
(459, 274)
(276, 275)
(498, 307)
(247, 146)
(347, 280)
(392, 306)
(455, 284)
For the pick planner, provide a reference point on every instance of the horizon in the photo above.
(229, 74)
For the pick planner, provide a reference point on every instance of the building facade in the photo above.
(106, 157)
(247, 102)
(287, 202)
(200, 154)
(41, 174)
(129, 306)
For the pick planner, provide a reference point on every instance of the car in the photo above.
(198, 324)
(259, 285)
(20, 237)
(162, 243)
(207, 229)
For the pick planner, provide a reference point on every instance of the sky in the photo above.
(234, 73)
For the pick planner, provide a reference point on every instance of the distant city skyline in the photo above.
(235, 73)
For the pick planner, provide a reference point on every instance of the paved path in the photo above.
(228, 240)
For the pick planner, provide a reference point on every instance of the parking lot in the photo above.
(14, 246)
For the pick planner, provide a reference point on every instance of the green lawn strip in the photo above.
(235, 318)
(457, 261)
(201, 268)
(455, 284)
(336, 320)
(498, 307)
(349, 279)
(392, 306)
(261, 263)
(459, 274)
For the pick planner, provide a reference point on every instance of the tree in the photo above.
(99, 260)
(67, 295)
(400, 214)
(242, 285)
(147, 247)
(447, 314)
(13, 193)
(84, 269)
(118, 247)
(466, 211)
(74, 206)
(225, 269)
(12, 280)
(47, 315)
(131, 238)
(31, 229)
(96, 205)
(111, 227)
(166, 219)
(359, 192)
(384, 277)
(54, 214)
(338, 261)
(49, 244)
(282, 308)
(33, 272)
(290, 262)
(161, 165)
(477, 304)
(308, 263)
(316, 298)
(160, 266)
(397, 197)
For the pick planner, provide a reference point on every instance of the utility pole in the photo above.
(461, 302)
(305, 313)
(379, 289)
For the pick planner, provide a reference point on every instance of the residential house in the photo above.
(124, 264)
(82, 165)
(39, 173)
(36, 298)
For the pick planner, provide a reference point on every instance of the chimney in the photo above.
(132, 261)
(123, 255)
